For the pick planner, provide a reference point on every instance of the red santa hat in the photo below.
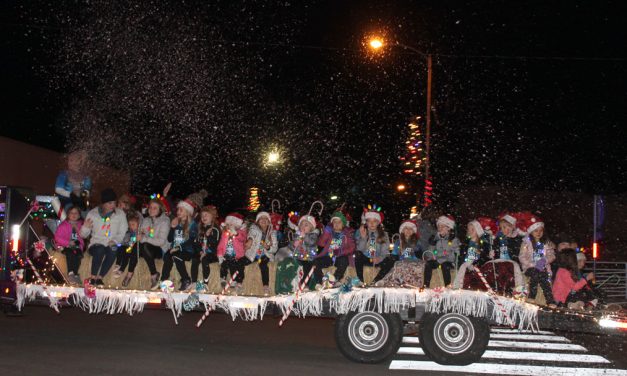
(446, 220)
(263, 214)
(408, 224)
(187, 205)
(307, 218)
(234, 219)
(532, 222)
(293, 220)
(477, 226)
(507, 217)
(276, 220)
(488, 225)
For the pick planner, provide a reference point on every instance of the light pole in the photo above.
(376, 44)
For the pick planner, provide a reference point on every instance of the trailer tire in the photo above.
(368, 337)
(452, 338)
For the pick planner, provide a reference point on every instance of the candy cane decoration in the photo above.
(300, 290)
(224, 290)
(314, 204)
(278, 204)
(53, 300)
(494, 297)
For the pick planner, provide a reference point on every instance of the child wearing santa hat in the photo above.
(182, 238)
(304, 247)
(474, 253)
(508, 239)
(337, 244)
(443, 249)
(373, 246)
(407, 246)
(231, 249)
(206, 245)
(262, 247)
(536, 255)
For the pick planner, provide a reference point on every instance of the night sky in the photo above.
(526, 96)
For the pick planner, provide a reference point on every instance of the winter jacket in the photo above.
(105, 230)
(208, 239)
(336, 244)
(476, 253)
(530, 254)
(65, 234)
(305, 248)
(409, 252)
(64, 187)
(369, 245)
(177, 237)
(564, 284)
(159, 228)
(505, 247)
(130, 241)
(236, 240)
(443, 249)
(259, 238)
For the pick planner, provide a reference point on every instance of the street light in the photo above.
(377, 44)
(273, 157)
(400, 187)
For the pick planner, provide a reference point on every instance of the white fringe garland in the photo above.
(382, 300)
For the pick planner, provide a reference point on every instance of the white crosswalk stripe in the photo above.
(508, 350)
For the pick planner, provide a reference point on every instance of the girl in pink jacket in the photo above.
(568, 288)
(72, 245)
(232, 249)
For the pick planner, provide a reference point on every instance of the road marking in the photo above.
(537, 346)
(514, 355)
(503, 330)
(529, 337)
(503, 369)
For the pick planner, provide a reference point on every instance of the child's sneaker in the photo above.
(116, 267)
(201, 287)
(222, 282)
(266, 290)
(117, 274)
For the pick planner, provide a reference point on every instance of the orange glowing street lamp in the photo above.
(376, 43)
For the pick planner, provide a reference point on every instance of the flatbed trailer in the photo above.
(453, 325)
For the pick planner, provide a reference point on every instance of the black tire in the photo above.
(452, 338)
(368, 337)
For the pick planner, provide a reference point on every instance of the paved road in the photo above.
(75, 343)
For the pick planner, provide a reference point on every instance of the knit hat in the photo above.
(197, 198)
(488, 225)
(107, 195)
(477, 226)
(308, 218)
(507, 217)
(234, 219)
(187, 205)
(446, 220)
(263, 214)
(340, 216)
(408, 224)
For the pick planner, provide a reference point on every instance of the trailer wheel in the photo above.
(452, 338)
(368, 337)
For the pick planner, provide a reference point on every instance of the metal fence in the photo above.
(611, 277)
